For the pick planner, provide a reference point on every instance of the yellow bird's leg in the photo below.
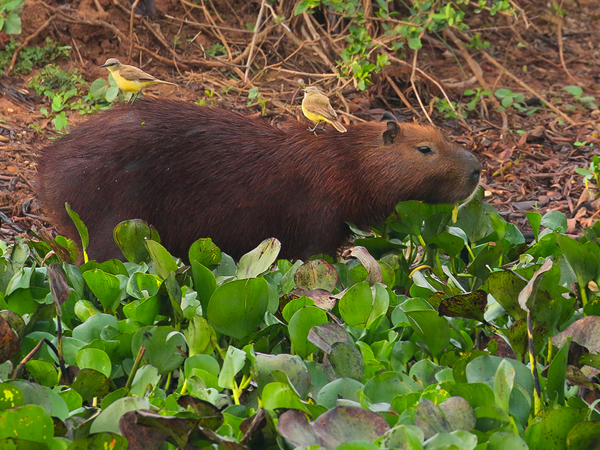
(314, 128)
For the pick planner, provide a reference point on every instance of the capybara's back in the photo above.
(196, 172)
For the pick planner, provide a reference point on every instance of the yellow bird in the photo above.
(129, 78)
(316, 107)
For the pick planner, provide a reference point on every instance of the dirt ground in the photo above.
(529, 159)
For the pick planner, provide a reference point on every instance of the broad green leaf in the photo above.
(108, 420)
(165, 347)
(100, 441)
(292, 366)
(90, 383)
(346, 361)
(237, 308)
(346, 388)
(105, 286)
(316, 274)
(504, 380)
(93, 327)
(43, 373)
(300, 324)
(259, 260)
(131, 236)
(164, 262)
(431, 329)
(555, 220)
(384, 387)
(280, 395)
(93, 358)
(143, 285)
(145, 380)
(199, 336)
(234, 362)
(205, 283)
(349, 423)
(10, 396)
(553, 429)
(29, 421)
(205, 252)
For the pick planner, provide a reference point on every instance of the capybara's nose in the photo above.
(475, 176)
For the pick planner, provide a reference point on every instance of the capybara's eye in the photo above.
(426, 150)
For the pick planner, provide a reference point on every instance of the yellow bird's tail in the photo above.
(165, 82)
(338, 126)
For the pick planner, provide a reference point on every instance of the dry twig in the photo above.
(254, 37)
(133, 6)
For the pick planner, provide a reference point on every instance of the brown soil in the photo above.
(529, 166)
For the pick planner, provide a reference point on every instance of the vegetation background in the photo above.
(475, 331)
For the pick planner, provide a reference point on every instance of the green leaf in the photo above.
(10, 396)
(112, 93)
(300, 324)
(143, 285)
(237, 308)
(355, 305)
(43, 373)
(93, 358)
(302, 7)
(199, 335)
(346, 361)
(504, 380)
(234, 362)
(81, 228)
(165, 347)
(293, 367)
(12, 24)
(105, 286)
(316, 274)
(90, 383)
(584, 436)
(205, 283)
(146, 379)
(108, 420)
(415, 43)
(535, 220)
(30, 421)
(280, 395)
(557, 372)
(431, 329)
(575, 91)
(502, 93)
(553, 429)
(164, 262)
(259, 260)
(130, 236)
(100, 441)
(389, 385)
(555, 220)
(205, 252)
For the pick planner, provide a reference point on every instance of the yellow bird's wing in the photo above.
(319, 104)
(134, 74)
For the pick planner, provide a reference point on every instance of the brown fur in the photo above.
(198, 172)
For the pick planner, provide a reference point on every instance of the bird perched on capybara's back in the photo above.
(196, 172)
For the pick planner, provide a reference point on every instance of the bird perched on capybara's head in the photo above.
(196, 172)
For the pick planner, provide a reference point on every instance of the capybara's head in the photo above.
(434, 169)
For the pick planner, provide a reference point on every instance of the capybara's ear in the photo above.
(392, 132)
(387, 116)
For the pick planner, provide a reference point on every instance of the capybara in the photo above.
(196, 172)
